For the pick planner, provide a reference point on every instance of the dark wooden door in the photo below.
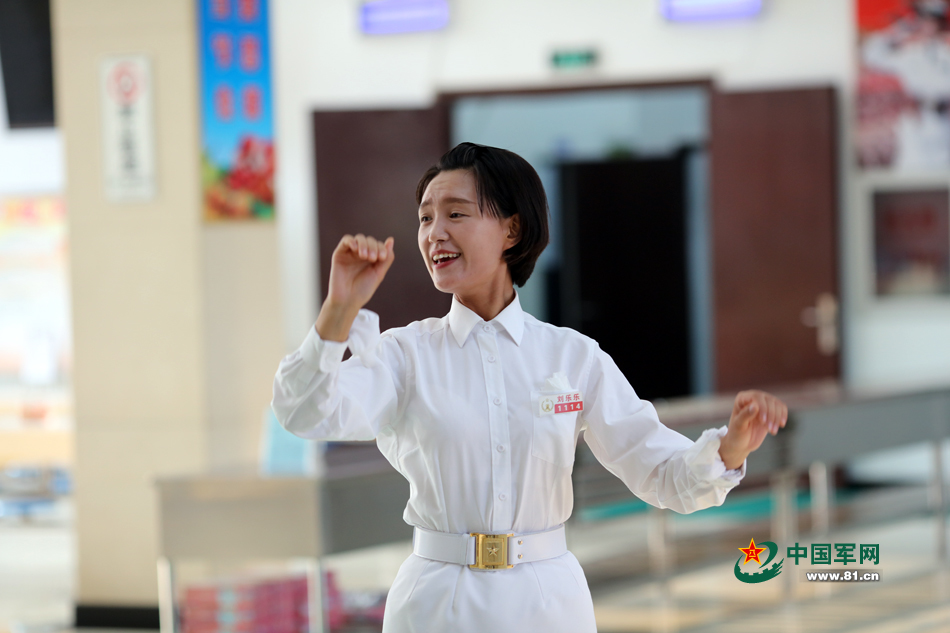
(624, 279)
(774, 217)
(367, 165)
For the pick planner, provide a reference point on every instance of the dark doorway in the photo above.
(624, 276)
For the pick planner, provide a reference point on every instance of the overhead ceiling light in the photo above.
(689, 10)
(384, 17)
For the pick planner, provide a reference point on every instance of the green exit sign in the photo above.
(584, 58)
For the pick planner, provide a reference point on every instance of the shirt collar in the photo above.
(462, 320)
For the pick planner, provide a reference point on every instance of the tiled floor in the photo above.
(37, 562)
(36, 572)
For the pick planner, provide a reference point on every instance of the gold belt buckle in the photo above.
(491, 551)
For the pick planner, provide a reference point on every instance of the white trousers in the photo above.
(433, 597)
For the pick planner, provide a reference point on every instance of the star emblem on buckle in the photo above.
(491, 551)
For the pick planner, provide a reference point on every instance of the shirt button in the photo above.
(487, 328)
(501, 448)
(502, 496)
(497, 401)
(491, 359)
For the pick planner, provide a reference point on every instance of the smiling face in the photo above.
(462, 246)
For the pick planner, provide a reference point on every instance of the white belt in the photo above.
(489, 551)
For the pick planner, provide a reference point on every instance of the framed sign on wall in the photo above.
(911, 241)
(127, 129)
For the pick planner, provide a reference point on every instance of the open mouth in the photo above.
(444, 259)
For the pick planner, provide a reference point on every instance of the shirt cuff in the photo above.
(320, 354)
(326, 356)
(705, 463)
(364, 337)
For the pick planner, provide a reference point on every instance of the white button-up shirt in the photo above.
(455, 405)
(483, 419)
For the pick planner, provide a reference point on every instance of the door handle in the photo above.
(823, 316)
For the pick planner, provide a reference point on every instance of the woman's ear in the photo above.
(514, 229)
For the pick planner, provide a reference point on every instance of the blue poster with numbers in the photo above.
(237, 131)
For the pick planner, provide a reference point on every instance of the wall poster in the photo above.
(903, 97)
(127, 128)
(912, 242)
(237, 134)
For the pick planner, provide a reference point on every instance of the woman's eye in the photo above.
(457, 215)
(424, 218)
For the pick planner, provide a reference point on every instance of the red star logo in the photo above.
(752, 552)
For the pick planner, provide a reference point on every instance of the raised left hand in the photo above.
(754, 415)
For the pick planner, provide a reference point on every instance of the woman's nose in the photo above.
(437, 231)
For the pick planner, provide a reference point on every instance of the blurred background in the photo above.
(743, 193)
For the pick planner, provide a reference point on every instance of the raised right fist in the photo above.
(357, 267)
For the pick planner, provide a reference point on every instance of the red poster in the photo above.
(903, 104)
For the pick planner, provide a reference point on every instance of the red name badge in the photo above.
(551, 404)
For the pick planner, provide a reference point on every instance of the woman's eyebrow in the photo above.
(429, 203)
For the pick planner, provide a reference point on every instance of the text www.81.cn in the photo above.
(842, 576)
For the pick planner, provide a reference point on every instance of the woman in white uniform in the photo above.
(481, 410)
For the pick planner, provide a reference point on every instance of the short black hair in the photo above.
(506, 184)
